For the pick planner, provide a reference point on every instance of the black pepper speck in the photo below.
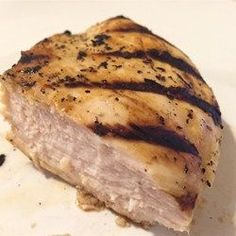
(81, 55)
(185, 169)
(103, 64)
(162, 120)
(208, 183)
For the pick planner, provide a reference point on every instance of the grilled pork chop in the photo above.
(120, 112)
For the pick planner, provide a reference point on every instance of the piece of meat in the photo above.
(120, 112)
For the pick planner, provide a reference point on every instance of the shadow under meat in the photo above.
(214, 215)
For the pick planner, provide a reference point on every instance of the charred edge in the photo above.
(162, 56)
(119, 17)
(187, 201)
(99, 129)
(151, 86)
(29, 57)
(67, 32)
(151, 134)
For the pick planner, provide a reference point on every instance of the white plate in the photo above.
(34, 204)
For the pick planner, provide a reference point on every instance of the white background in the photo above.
(205, 30)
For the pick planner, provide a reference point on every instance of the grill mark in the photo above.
(152, 86)
(136, 28)
(29, 57)
(151, 134)
(143, 30)
(162, 56)
(127, 55)
(178, 63)
(132, 28)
